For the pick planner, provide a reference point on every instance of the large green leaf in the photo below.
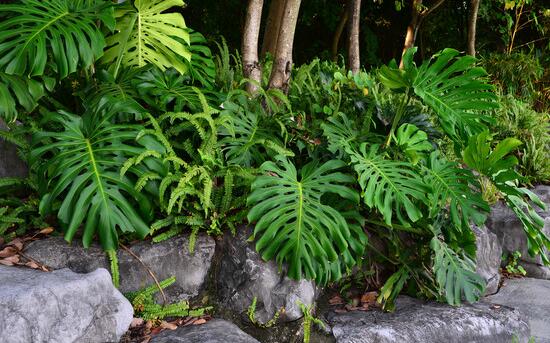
(452, 86)
(144, 34)
(455, 275)
(498, 166)
(80, 166)
(392, 187)
(63, 33)
(293, 224)
(18, 90)
(454, 186)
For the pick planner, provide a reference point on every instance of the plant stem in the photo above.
(397, 117)
(396, 226)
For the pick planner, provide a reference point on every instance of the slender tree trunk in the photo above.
(273, 27)
(338, 33)
(251, 66)
(416, 20)
(472, 22)
(354, 60)
(412, 29)
(282, 64)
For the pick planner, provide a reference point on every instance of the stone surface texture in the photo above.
(166, 259)
(421, 322)
(214, 331)
(61, 306)
(11, 164)
(509, 230)
(488, 255)
(243, 275)
(532, 298)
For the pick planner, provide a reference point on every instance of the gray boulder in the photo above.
(166, 259)
(488, 255)
(60, 307)
(428, 322)
(214, 331)
(11, 164)
(243, 275)
(509, 230)
(530, 296)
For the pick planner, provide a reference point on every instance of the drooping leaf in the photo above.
(16, 92)
(392, 187)
(455, 187)
(64, 33)
(293, 225)
(144, 34)
(455, 274)
(79, 166)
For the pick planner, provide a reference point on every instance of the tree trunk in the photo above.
(282, 64)
(338, 33)
(251, 66)
(273, 27)
(412, 29)
(354, 61)
(472, 21)
(416, 20)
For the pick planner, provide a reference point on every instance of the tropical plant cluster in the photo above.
(136, 130)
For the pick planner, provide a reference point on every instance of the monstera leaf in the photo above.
(17, 90)
(80, 167)
(392, 187)
(452, 86)
(454, 186)
(144, 34)
(455, 274)
(293, 225)
(63, 33)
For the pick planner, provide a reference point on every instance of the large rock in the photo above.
(214, 331)
(420, 322)
(509, 230)
(60, 307)
(531, 297)
(11, 164)
(488, 256)
(243, 275)
(166, 259)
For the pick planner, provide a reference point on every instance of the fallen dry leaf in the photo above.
(47, 230)
(336, 300)
(369, 298)
(167, 325)
(10, 261)
(146, 339)
(17, 243)
(136, 322)
(199, 321)
(8, 252)
(33, 265)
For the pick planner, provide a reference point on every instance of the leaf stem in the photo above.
(398, 116)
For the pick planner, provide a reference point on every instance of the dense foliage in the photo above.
(137, 130)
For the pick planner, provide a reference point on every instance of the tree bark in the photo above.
(338, 33)
(251, 33)
(273, 27)
(416, 20)
(282, 64)
(410, 36)
(354, 61)
(472, 22)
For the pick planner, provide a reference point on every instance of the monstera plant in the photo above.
(78, 68)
